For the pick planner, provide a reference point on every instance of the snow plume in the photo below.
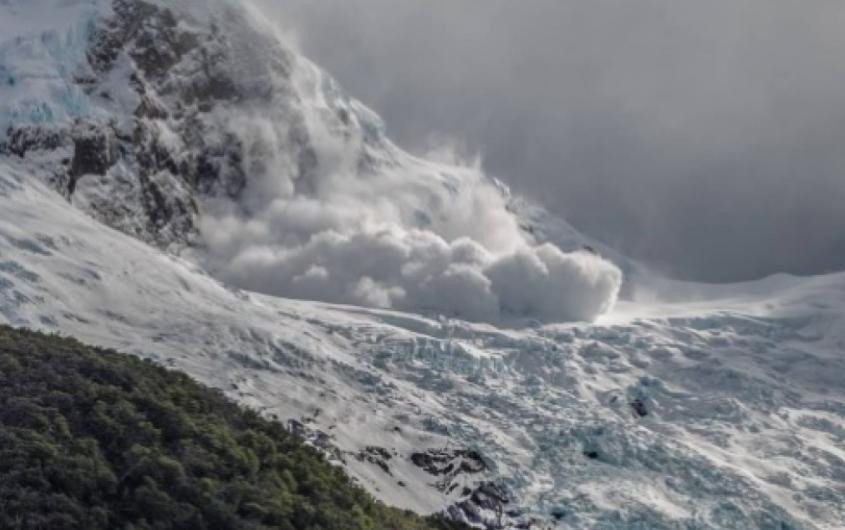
(333, 211)
(365, 223)
(417, 269)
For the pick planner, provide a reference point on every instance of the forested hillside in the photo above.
(91, 438)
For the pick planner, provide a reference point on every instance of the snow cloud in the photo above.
(701, 137)
(391, 267)
(334, 212)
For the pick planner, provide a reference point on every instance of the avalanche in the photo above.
(208, 125)
(136, 202)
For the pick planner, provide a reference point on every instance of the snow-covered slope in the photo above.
(687, 406)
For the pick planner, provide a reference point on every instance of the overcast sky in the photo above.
(706, 138)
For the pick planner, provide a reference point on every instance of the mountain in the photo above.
(190, 123)
(177, 182)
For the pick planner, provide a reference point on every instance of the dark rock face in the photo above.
(144, 169)
(449, 462)
(22, 140)
(187, 104)
(317, 439)
(94, 152)
(481, 503)
(108, 42)
(218, 168)
(156, 44)
(488, 506)
(484, 506)
(378, 456)
(639, 407)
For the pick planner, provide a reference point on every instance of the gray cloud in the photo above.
(703, 137)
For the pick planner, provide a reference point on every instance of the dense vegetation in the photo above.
(91, 438)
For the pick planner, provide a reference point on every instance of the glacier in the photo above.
(681, 406)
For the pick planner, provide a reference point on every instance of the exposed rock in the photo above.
(94, 152)
(174, 146)
(376, 455)
(22, 140)
(639, 407)
(317, 439)
(449, 462)
(487, 506)
(480, 503)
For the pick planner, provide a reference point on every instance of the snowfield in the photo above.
(138, 205)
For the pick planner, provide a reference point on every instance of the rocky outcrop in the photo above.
(378, 456)
(22, 140)
(480, 503)
(94, 153)
(449, 463)
(165, 86)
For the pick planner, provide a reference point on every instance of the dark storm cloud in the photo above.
(704, 137)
